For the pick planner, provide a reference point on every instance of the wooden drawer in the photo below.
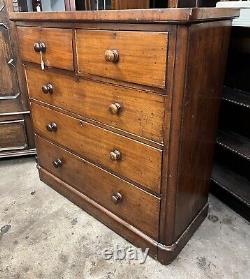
(12, 135)
(137, 57)
(58, 44)
(138, 162)
(100, 186)
(140, 113)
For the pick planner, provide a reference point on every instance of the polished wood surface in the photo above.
(58, 43)
(140, 112)
(202, 98)
(102, 186)
(160, 148)
(110, 219)
(138, 55)
(180, 15)
(138, 162)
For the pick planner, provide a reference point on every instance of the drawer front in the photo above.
(135, 111)
(126, 157)
(122, 198)
(12, 135)
(137, 57)
(58, 43)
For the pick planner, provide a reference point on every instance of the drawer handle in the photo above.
(112, 55)
(115, 155)
(115, 108)
(39, 47)
(116, 198)
(57, 163)
(52, 127)
(47, 88)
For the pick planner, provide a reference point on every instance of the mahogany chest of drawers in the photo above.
(125, 112)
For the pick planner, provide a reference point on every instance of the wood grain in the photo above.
(58, 43)
(178, 171)
(141, 112)
(100, 185)
(139, 162)
(180, 15)
(199, 119)
(140, 55)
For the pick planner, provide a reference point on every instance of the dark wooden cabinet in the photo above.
(16, 136)
(231, 173)
(125, 114)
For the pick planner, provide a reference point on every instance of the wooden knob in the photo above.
(116, 198)
(39, 47)
(52, 127)
(57, 163)
(47, 88)
(115, 108)
(112, 55)
(115, 155)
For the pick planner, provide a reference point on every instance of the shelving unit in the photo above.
(230, 179)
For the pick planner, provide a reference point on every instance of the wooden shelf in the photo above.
(236, 96)
(235, 143)
(232, 189)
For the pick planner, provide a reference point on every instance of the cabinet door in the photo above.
(8, 77)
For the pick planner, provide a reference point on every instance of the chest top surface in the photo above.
(175, 15)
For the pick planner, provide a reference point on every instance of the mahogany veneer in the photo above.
(125, 114)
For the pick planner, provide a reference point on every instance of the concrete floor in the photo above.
(43, 235)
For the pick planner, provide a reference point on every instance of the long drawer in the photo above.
(135, 111)
(117, 195)
(57, 46)
(124, 156)
(137, 57)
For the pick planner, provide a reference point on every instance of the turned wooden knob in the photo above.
(39, 47)
(115, 155)
(57, 163)
(47, 88)
(52, 127)
(115, 108)
(112, 55)
(116, 198)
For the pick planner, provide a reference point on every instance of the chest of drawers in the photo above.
(125, 113)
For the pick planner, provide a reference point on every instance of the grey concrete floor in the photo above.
(43, 235)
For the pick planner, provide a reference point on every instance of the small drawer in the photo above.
(137, 112)
(139, 162)
(136, 57)
(12, 135)
(55, 45)
(120, 197)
